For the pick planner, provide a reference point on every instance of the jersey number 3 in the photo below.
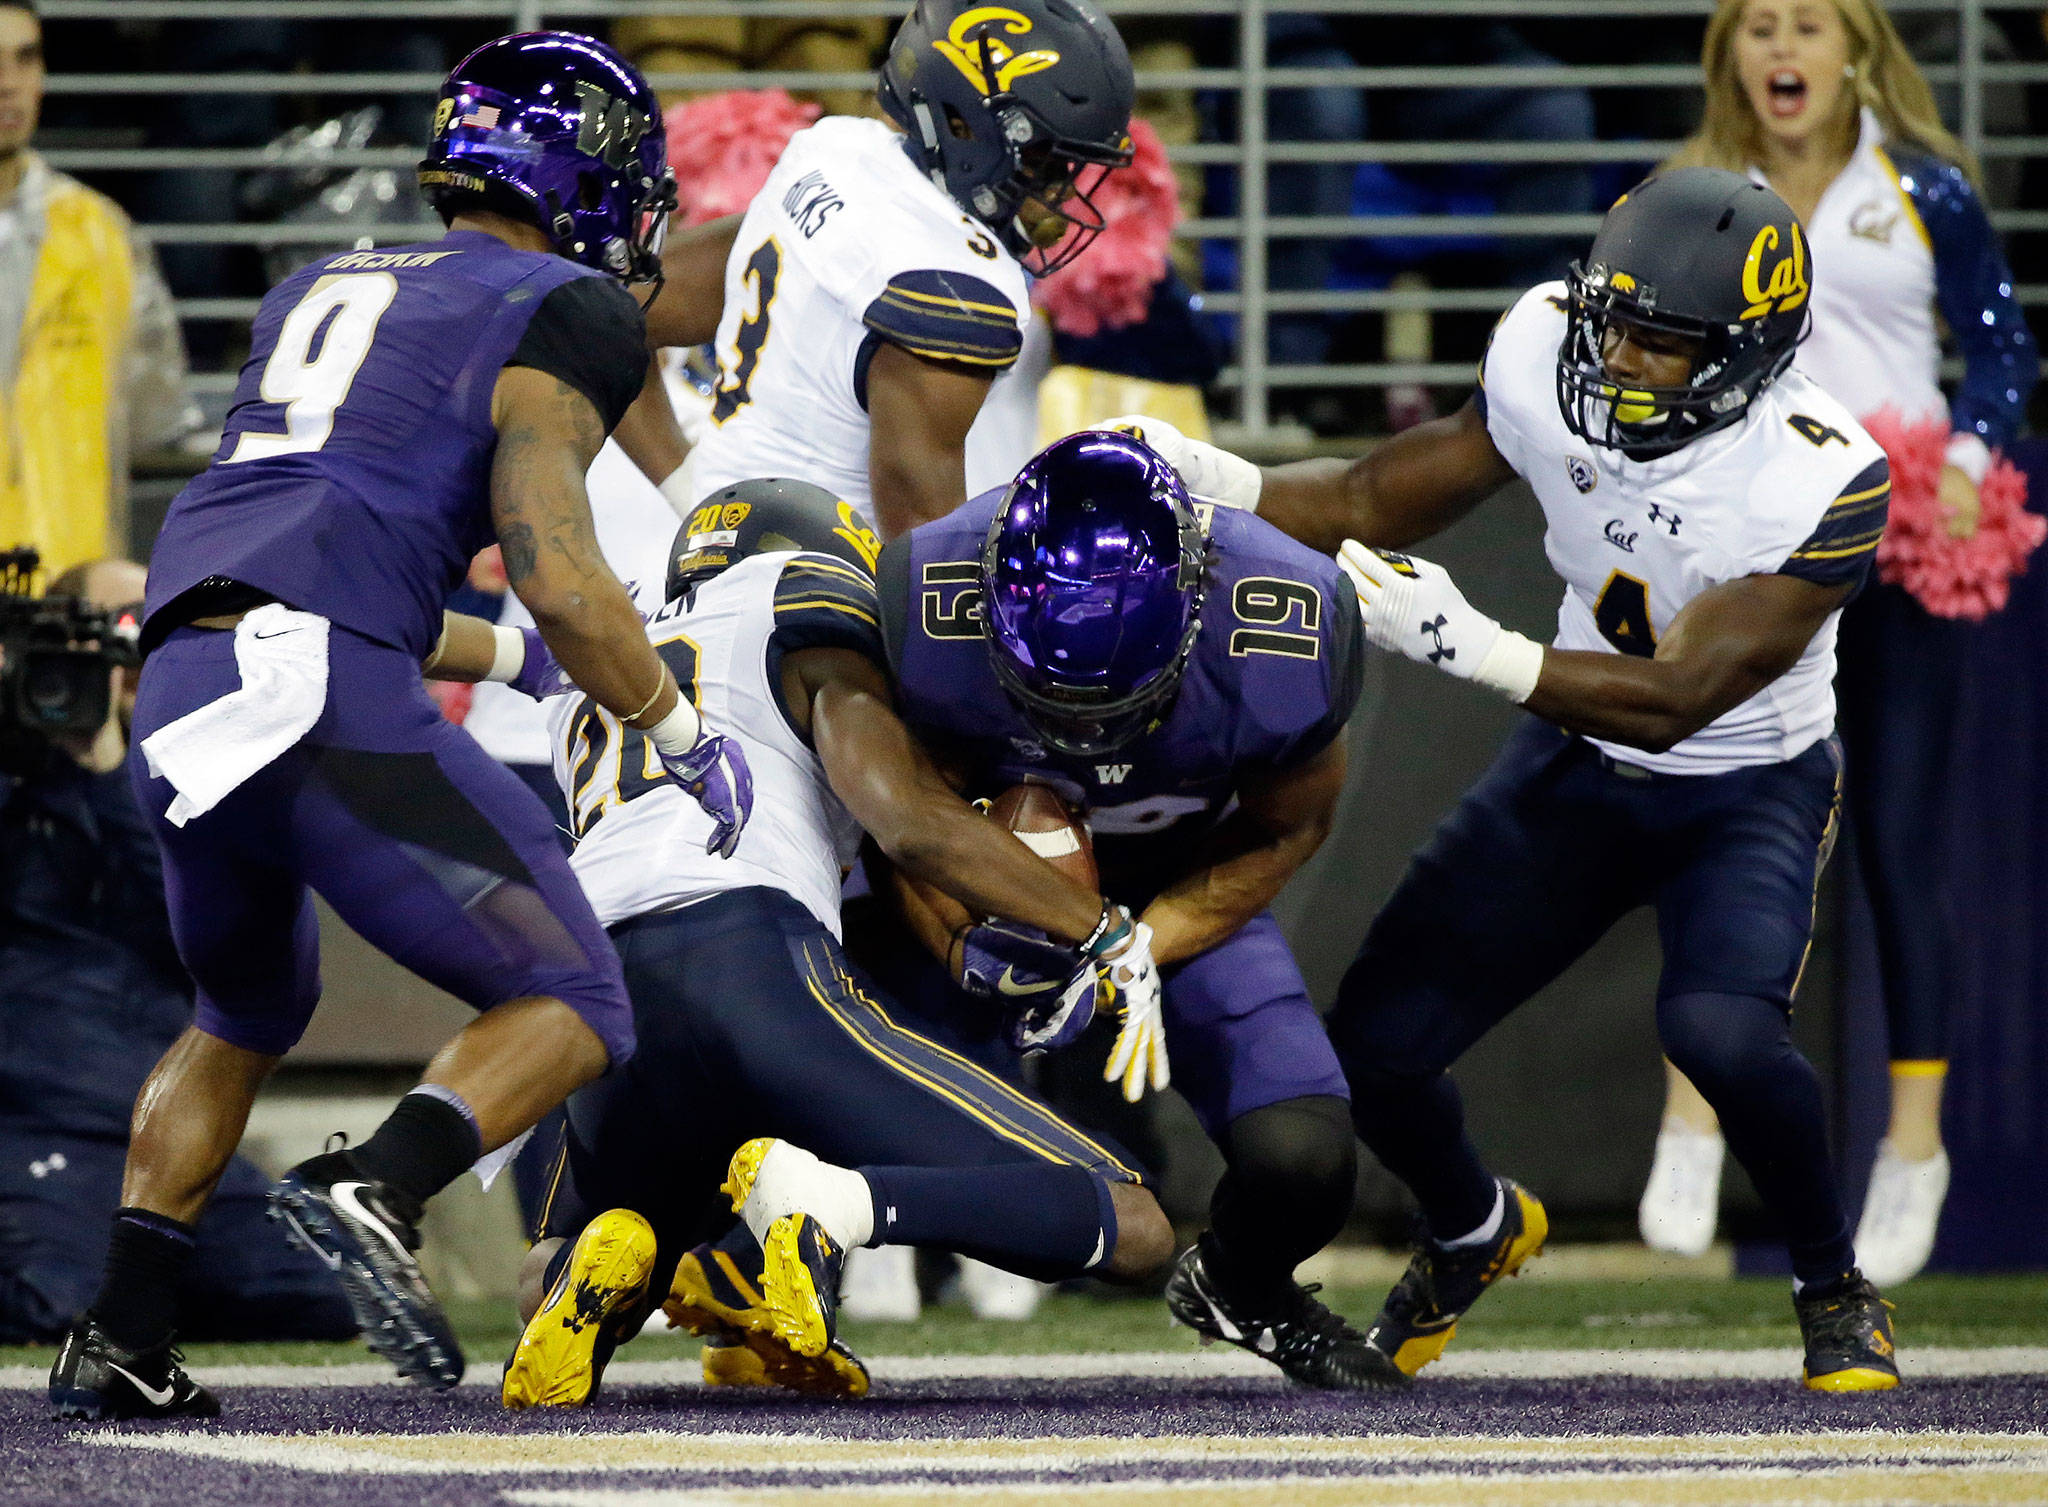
(320, 347)
(763, 268)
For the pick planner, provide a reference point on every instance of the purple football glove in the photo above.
(1048, 989)
(539, 676)
(715, 773)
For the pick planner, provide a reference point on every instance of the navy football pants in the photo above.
(1550, 848)
(752, 1022)
(432, 850)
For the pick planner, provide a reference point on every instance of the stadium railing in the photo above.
(1251, 375)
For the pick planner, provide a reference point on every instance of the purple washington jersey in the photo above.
(1272, 681)
(353, 477)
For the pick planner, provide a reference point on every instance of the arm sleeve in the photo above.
(892, 578)
(591, 335)
(1974, 290)
(1842, 546)
(947, 316)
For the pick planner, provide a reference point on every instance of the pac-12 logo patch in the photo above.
(1581, 471)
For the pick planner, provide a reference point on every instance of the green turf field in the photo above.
(1662, 1312)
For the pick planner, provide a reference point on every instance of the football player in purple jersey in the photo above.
(1187, 682)
(400, 409)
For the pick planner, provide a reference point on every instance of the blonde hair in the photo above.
(1888, 82)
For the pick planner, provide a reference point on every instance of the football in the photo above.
(1049, 827)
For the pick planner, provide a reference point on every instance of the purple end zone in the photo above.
(46, 1463)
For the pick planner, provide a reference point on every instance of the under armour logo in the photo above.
(54, 1162)
(1436, 632)
(1669, 520)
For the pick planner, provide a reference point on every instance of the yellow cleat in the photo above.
(1848, 1335)
(562, 1353)
(1421, 1314)
(714, 1295)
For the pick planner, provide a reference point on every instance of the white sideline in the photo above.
(1173, 1365)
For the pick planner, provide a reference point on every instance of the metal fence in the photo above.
(1239, 92)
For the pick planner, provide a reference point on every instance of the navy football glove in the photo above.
(1046, 988)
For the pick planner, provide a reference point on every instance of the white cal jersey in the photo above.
(847, 244)
(1796, 487)
(640, 839)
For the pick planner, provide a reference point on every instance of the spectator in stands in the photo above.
(1820, 99)
(91, 994)
(739, 43)
(91, 365)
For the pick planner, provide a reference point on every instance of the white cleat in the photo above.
(1901, 1212)
(993, 1293)
(1682, 1199)
(879, 1285)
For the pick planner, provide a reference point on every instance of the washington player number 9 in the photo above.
(341, 312)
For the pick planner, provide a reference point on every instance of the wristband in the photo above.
(509, 658)
(1113, 926)
(1511, 666)
(678, 732)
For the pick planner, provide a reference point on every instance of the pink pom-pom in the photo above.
(1110, 284)
(724, 146)
(1962, 578)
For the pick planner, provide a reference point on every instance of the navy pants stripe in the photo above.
(1541, 856)
(751, 1022)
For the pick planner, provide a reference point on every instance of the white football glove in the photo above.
(1209, 474)
(1139, 1057)
(1414, 608)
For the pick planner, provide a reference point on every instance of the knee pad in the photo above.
(1719, 1038)
(1305, 1146)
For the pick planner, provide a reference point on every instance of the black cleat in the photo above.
(96, 1379)
(1422, 1312)
(1303, 1338)
(1848, 1334)
(366, 1233)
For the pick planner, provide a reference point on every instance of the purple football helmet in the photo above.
(1092, 583)
(560, 131)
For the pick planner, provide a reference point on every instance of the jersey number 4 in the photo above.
(763, 268)
(1623, 616)
(320, 347)
(595, 732)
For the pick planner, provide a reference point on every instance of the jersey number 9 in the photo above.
(340, 313)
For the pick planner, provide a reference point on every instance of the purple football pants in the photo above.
(432, 850)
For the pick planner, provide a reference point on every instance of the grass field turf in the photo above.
(1102, 1402)
(1669, 1313)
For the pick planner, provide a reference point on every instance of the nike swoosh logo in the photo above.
(1100, 1237)
(348, 1196)
(281, 633)
(1229, 1330)
(156, 1398)
(1008, 984)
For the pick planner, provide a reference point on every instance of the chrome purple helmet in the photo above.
(557, 130)
(1092, 581)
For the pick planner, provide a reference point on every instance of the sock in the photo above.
(1037, 1219)
(428, 1140)
(1291, 1171)
(1486, 1231)
(137, 1304)
(1416, 1127)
